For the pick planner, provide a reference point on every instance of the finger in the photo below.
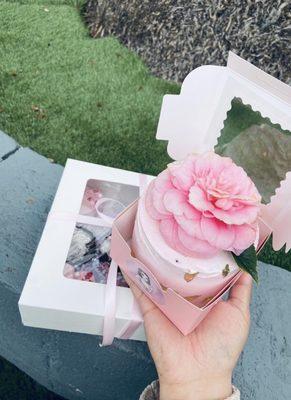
(241, 291)
(146, 305)
(154, 320)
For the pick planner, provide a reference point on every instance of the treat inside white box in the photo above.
(65, 288)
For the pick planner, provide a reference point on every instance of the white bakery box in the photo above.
(72, 303)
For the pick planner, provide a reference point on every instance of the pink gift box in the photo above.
(192, 121)
(185, 315)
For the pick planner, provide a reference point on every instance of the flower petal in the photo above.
(169, 232)
(245, 236)
(198, 199)
(196, 246)
(237, 216)
(158, 202)
(174, 201)
(181, 173)
(190, 226)
(168, 229)
(190, 212)
(190, 221)
(151, 210)
(217, 233)
(210, 161)
(224, 204)
(163, 181)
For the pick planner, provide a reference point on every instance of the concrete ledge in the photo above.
(73, 365)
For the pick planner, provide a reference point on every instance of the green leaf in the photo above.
(247, 261)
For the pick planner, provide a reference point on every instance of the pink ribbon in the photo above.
(110, 306)
(110, 311)
(110, 300)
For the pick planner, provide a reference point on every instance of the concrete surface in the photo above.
(73, 365)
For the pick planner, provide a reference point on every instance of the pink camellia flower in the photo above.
(204, 204)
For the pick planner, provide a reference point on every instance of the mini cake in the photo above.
(191, 218)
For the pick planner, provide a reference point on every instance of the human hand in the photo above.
(198, 366)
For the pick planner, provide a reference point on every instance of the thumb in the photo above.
(241, 292)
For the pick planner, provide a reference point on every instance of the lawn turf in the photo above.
(66, 95)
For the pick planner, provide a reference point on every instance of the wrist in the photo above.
(216, 388)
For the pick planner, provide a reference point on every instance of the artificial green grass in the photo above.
(66, 95)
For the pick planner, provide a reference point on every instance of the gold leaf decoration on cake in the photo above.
(207, 300)
(225, 270)
(189, 277)
(164, 288)
(192, 299)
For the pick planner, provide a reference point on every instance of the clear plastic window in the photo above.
(88, 257)
(262, 148)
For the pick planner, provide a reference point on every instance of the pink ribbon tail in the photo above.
(110, 300)
(131, 326)
(110, 310)
(110, 306)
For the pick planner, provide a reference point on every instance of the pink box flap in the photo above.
(185, 315)
(192, 122)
